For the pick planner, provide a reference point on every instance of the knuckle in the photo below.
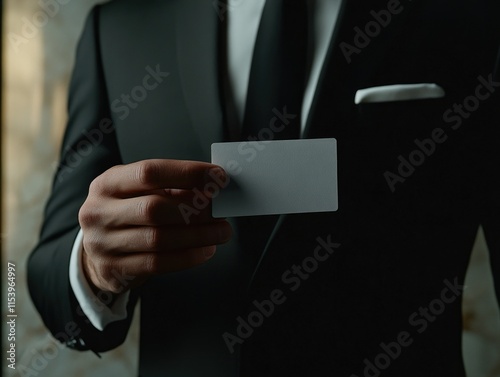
(93, 244)
(97, 186)
(148, 172)
(150, 209)
(152, 239)
(88, 215)
(100, 185)
(153, 264)
(185, 169)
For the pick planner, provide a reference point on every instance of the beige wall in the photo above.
(35, 89)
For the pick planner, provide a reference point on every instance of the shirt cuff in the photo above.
(94, 307)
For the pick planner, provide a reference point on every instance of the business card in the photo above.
(276, 177)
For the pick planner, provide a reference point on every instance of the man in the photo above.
(372, 289)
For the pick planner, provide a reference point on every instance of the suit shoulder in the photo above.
(122, 24)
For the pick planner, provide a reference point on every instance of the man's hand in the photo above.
(132, 224)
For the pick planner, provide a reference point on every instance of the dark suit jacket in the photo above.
(399, 249)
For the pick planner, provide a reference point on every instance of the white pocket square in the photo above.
(403, 92)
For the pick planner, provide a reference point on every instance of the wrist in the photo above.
(91, 277)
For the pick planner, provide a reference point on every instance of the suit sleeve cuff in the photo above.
(94, 307)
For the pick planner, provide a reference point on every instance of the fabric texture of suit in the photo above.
(397, 249)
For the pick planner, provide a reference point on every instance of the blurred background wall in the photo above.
(37, 65)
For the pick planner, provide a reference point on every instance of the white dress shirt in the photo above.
(243, 23)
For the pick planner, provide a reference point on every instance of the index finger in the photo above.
(145, 176)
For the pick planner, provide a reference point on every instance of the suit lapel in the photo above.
(197, 26)
(341, 76)
(331, 62)
(333, 102)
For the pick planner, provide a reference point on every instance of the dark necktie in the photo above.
(278, 72)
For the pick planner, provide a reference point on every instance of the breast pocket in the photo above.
(401, 118)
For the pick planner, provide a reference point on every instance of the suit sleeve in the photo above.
(89, 148)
